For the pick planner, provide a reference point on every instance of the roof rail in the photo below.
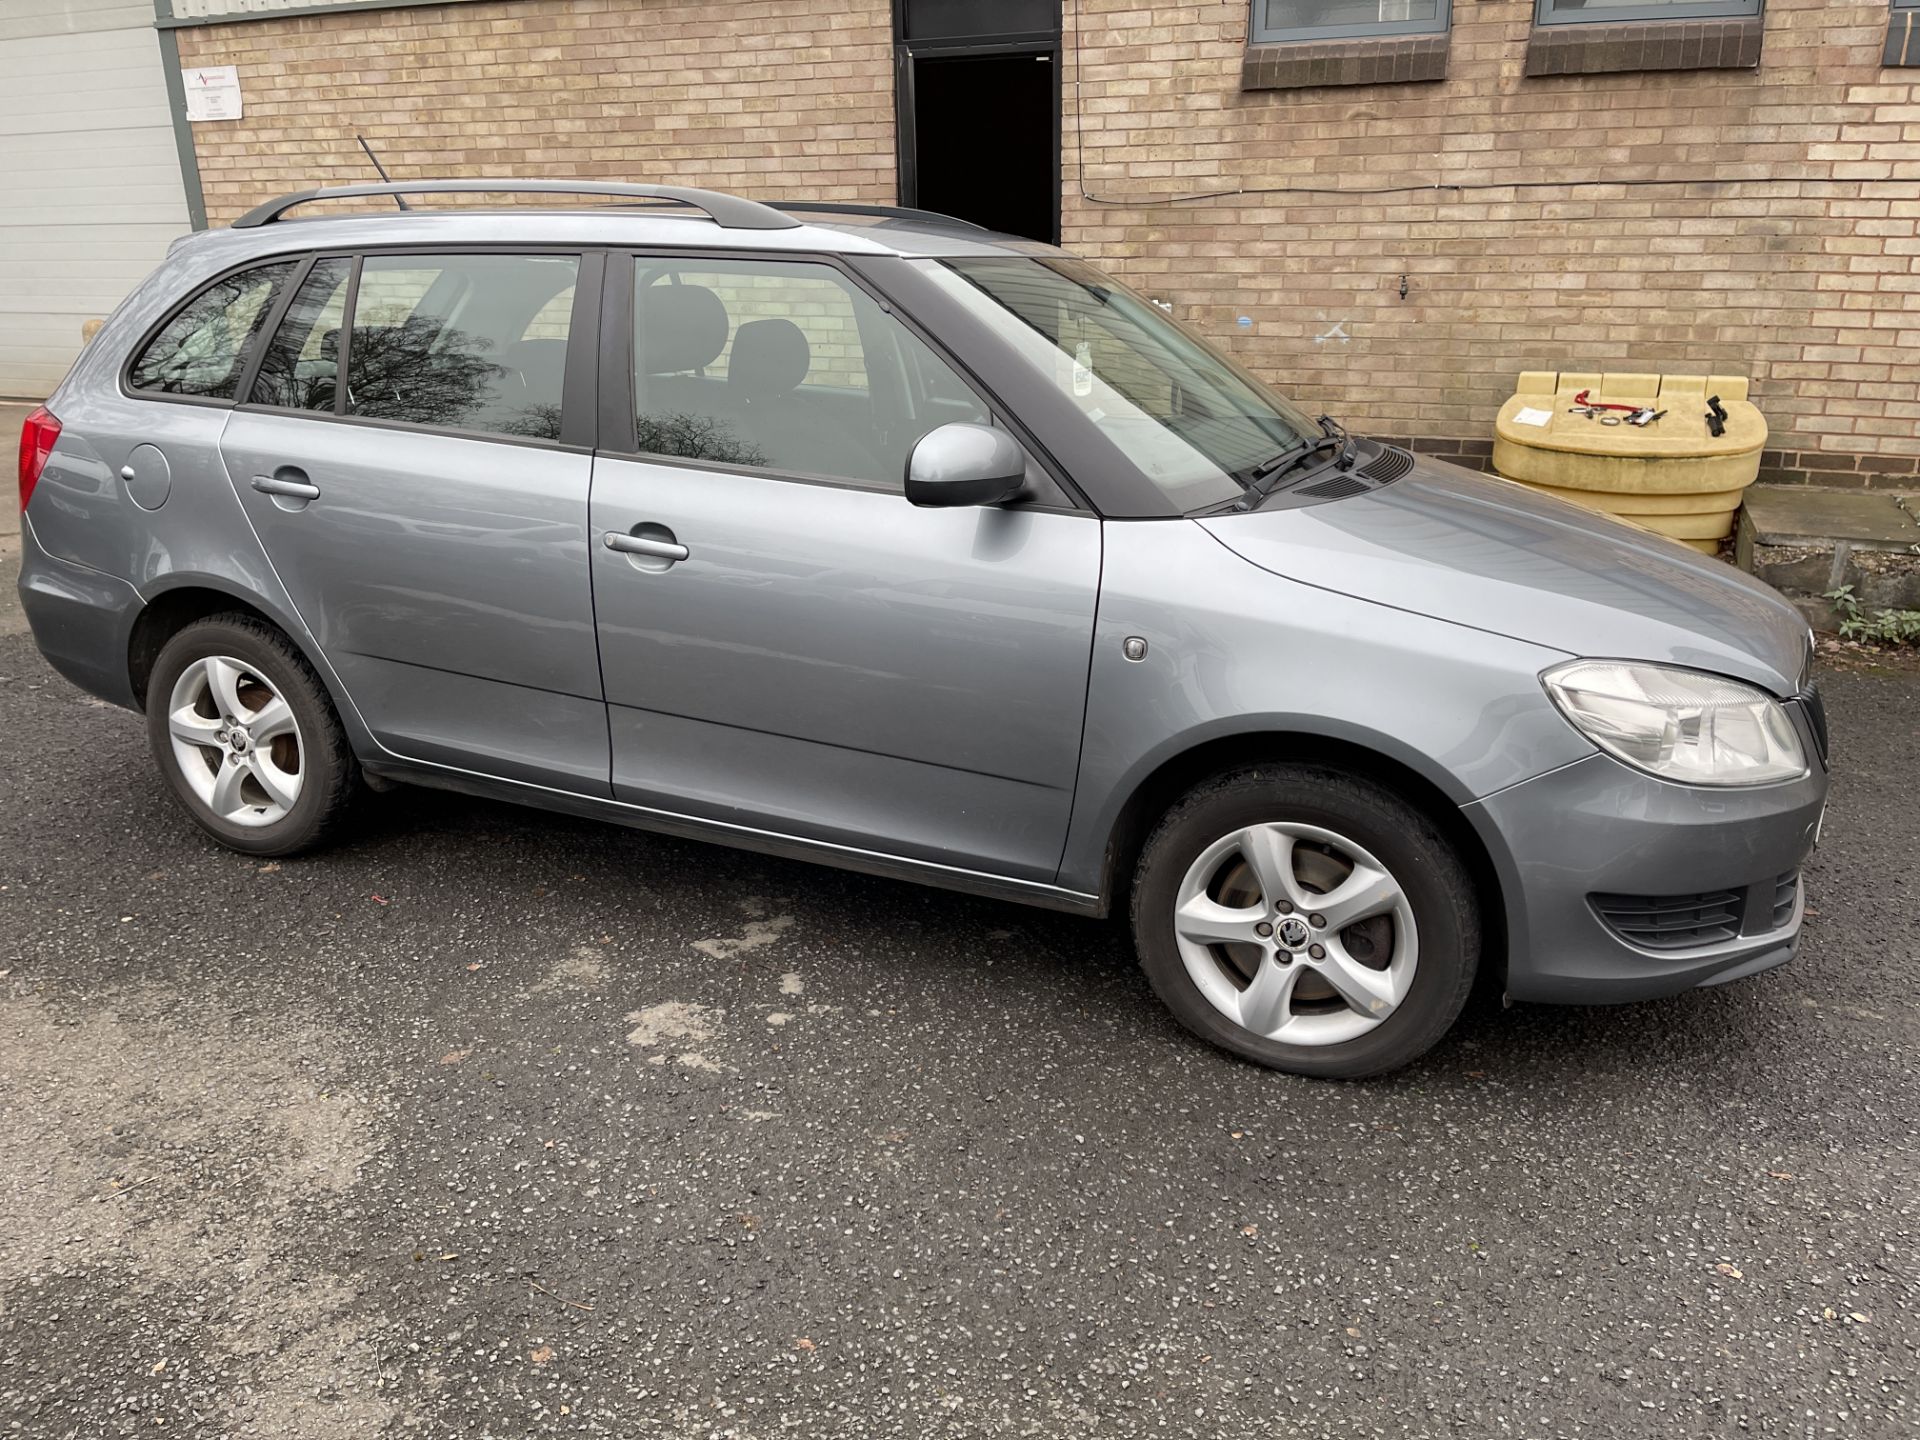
(730, 212)
(892, 212)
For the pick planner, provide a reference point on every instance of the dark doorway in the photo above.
(977, 96)
(986, 140)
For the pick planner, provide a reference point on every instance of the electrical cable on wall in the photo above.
(1434, 187)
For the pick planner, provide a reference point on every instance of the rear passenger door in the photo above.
(804, 651)
(417, 469)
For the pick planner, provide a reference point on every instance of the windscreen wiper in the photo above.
(1262, 479)
(1334, 429)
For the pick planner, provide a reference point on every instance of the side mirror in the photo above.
(962, 464)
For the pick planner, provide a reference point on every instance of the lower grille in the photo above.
(1672, 922)
(1687, 922)
(1786, 890)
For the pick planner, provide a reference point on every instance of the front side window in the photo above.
(1282, 20)
(1194, 422)
(203, 348)
(1599, 12)
(785, 366)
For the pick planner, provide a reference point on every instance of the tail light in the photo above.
(36, 444)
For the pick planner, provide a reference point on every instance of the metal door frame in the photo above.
(1039, 43)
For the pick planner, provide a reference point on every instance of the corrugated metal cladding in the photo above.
(90, 187)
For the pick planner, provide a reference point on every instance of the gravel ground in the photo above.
(498, 1125)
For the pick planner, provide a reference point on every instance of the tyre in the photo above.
(247, 737)
(1306, 919)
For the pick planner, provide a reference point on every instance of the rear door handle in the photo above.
(282, 482)
(643, 545)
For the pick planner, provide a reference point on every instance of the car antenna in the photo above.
(384, 177)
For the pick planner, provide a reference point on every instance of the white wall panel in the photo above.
(90, 187)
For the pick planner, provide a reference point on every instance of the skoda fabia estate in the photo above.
(876, 539)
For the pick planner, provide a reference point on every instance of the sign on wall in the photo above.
(213, 92)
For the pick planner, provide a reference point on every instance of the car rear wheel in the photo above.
(1308, 920)
(247, 738)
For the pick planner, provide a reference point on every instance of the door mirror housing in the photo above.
(963, 464)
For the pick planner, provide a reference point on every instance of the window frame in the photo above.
(256, 344)
(250, 376)
(619, 421)
(1681, 10)
(578, 408)
(1258, 34)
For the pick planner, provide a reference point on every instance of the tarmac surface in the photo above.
(492, 1124)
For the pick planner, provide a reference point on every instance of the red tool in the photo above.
(1641, 415)
(1581, 402)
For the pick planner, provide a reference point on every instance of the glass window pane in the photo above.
(783, 365)
(1297, 18)
(1601, 11)
(203, 349)
(1192, 420)
(462, 342)
(301, 366)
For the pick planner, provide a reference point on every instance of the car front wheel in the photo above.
(1307, 919)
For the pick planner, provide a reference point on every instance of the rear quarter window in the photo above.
(203, 347)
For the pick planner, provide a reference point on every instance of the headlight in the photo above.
(1679, 724)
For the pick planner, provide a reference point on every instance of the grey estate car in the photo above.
(868, 537)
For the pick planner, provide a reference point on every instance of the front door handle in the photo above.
(283, 482)
(645, 545)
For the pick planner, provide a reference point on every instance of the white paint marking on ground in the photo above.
(673, 1020)
(792, 984)
(583, 968)
(758, 935)
(660, 1026)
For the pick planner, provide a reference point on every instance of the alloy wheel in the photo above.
(236, 741)
(1296, 933)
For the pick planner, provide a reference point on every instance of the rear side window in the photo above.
(203, 348)
(462, 342)
(301, 368)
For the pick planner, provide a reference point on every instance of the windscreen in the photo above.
(1190, 418)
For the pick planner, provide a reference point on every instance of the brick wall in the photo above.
(1796, 262)
(777, 99)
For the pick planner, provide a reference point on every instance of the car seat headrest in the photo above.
(682, 328)
(770, 357)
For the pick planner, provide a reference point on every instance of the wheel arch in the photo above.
(172, 608)
(1170, 776)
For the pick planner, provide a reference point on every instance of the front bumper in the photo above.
(1595, 857)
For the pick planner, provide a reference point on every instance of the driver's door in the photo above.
(807, 653)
